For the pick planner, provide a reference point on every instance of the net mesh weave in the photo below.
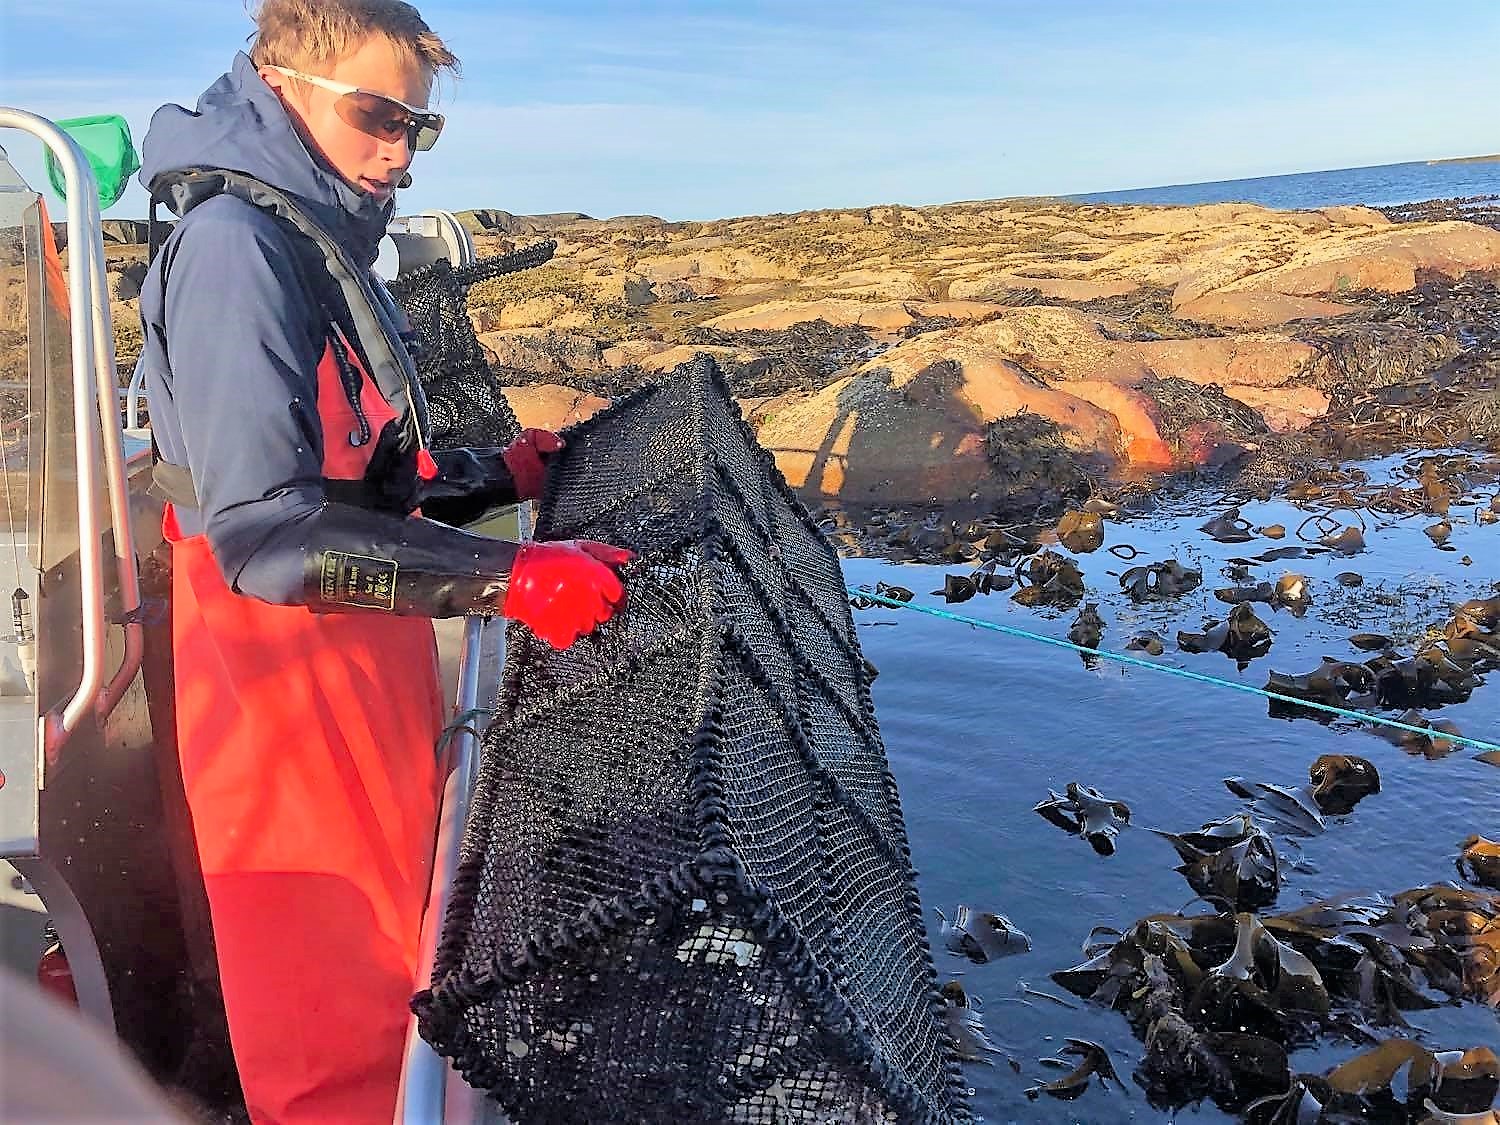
(464, 401)
(686, 891)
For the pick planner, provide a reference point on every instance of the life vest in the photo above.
(364, 323)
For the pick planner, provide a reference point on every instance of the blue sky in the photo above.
(703, 109)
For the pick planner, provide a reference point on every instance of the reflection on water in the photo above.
(979, 726)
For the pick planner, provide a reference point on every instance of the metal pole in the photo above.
(425, 1075)
(83, 213)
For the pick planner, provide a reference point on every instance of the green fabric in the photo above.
(105, 140)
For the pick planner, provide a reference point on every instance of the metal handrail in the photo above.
(425, 1074)
(132, 397)
(126, 572)
(86, 255)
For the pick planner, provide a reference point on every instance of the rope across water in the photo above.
(1125, 658)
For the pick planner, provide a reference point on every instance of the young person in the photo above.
(292, 446)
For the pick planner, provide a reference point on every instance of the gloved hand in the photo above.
(526, 459)
(565, 589)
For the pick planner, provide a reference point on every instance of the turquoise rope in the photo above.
(1011, 630)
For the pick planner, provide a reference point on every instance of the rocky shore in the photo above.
(1017, 355)
(1009, 357)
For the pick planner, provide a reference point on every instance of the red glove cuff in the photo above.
(526, 459)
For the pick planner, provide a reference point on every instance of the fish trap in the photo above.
(686, 891)
(464, 403)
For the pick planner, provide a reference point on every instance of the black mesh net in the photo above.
(686, 893)
(463, 397)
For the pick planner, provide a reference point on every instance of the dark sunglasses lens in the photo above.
(374, 116)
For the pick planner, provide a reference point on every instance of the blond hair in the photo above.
(312, 34)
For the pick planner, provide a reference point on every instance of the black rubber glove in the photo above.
(469, 483)
(360, 560)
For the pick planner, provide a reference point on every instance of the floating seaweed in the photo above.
(1160, 581)
(1049, 579)
(1349, 541)
(1429, 678)
(1293, 593)
(1341, 781)
(1093, 1060)
(881, 590)
(1443, 671)
(1427, 746)
(958, 551)
(957, 588)
(1087, 631)
(982, 936)
(1292, 811)
(1265, 986)
(1231, 860)
(1242, 636)
(1398, 1081)
(1234, 595)
(1334, 683)
(1331, 967)
(963, 1017)
(1479, 861)
(1148, 641)
(1083, 811)
(1180, 1064)
(989, 579)
(1229, 528)
(1472, 635)
(1338, 782)
(1081, 532)
(1280, 554)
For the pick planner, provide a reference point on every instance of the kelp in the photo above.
(1229, 528)
(1083, 811)
(963, 1017)
(1049, 579)
(1399, 1081)
(1087, 631)
(1341, 781)
(1081, 531)
(1422, 745)
(1230, 861)
(1335, 967)
(1290, 810)
(1242, 636)
(982, 936)
(881, 590)
(1093, 1061)
(1160, 581)
(1479, 861)
(1148, 641)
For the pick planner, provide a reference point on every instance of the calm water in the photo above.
(980, 725)
(1379, 186)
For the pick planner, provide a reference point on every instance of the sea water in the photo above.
(1379, 186)
(979, 726)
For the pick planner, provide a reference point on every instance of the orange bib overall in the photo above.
(306, 742)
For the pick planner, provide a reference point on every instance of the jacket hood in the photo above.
(240, 125)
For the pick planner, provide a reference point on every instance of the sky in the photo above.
(697, 109)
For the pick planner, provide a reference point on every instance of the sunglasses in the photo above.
(377, 115)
